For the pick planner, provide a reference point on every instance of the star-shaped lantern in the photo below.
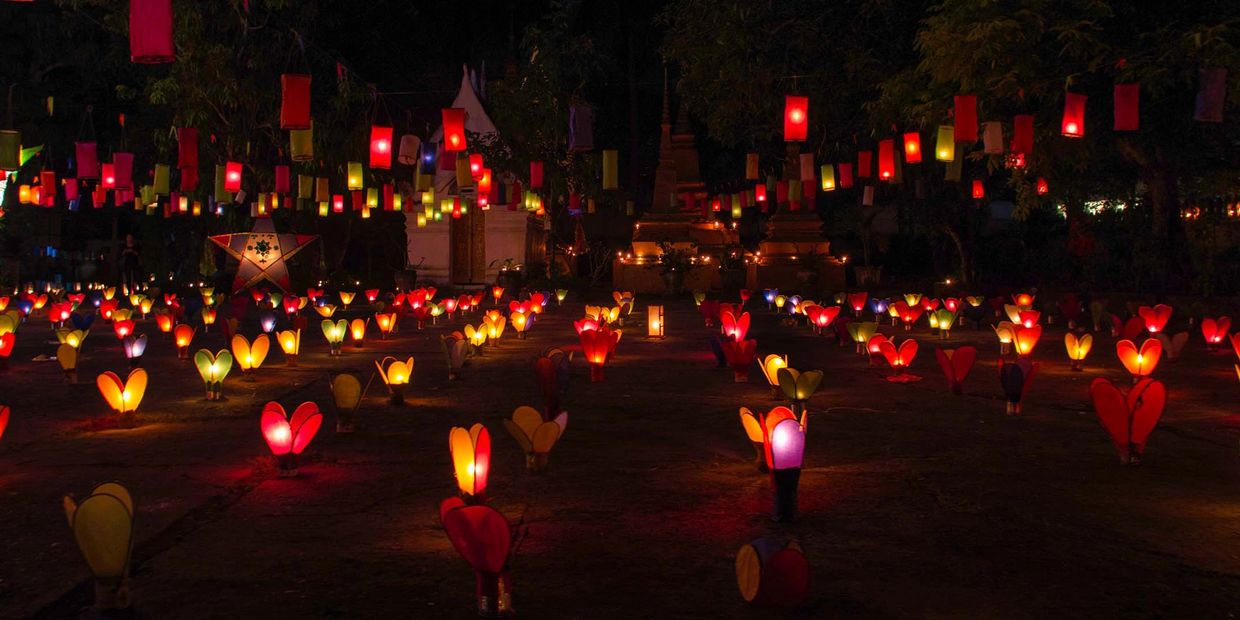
(262, 253)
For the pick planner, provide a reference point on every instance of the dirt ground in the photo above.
(914, 503)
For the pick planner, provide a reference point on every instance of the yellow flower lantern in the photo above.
(290, 343)
(495, 324)
(386, 323)
(102, 526)
(477, 337)
(535, 435)
(1005, 331)
(326, 310)
(67, 357)
(123, 396)
(208, 318)
(396, 375)
(250, 356)
(1078, 347)
(770, 369)
(346, 298)
(357, 331)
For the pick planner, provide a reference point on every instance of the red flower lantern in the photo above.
(598, 345)
(739, 355)
(150, 31)
(912, 148)
(796, 118)
(1129, 418)
(1042, 187)
(380, 147)
(288, 437)
(1215, 330)
(453, 129)
(956, 364)
(1155, 318)
(294, 101)
(1073, 125)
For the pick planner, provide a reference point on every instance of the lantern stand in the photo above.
(286, 465)
(786, 481)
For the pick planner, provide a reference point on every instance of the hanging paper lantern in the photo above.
(796, 118)
(979, 189)
(11, 150)
(150, 31)
(1210, 95)
(865, 164)
(87, 160)
(1073, 125)
(453, 129)
(1042, 187)
(912, 148)
(163, 180)
(380, 147)
(945, 144)
(1022, 134)
(232, 177)
(1126, 101)
(992, 138)
(886, 159)
(611, 169)
(301, 143)
(751, 167)
(965, 118)
(353, 176)
(846, 175)
(294, 101)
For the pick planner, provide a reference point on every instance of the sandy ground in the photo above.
(914, 503)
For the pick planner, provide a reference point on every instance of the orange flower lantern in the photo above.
(1141, 362)
(250, 355)
(471, 459)
(290, 343)
(598, 345)
(357, 331)
(386, 323)
(183, 335)
(123, 396)
(1078, 347)
(1025, 339)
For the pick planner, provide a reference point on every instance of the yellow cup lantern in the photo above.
(250, 356)
(1078, 347)
(357, 331)
(123, 396)
(396, 375)
(290, 343)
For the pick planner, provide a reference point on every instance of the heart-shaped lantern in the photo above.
(900, 358)
(102, 526)
(334, 332)
(739, 355)
(288, 436)
(1172, 345)
(1129, 418)
(1078, 347)
(1155, 318)
(123, 396)
(213, 368)
(396, 375)
(535, 435)
(956, 364)
(482, 536)
(820, 317)
(1215, 330)
(250, 356)
(1139, 362)
(861, 332)
(798, 386)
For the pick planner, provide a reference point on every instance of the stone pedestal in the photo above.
(791, 254)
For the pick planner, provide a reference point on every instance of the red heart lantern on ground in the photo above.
(734, 327)
(1215, 330)
(1155, 318)
(1139, 363)
(900, 358)
(740, 355)
(288, 437)
(482, 536)
(1129, 418)
(956, 364)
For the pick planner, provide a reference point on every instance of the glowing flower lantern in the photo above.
(769, 295)
(796, 118)
(102, 526)
(250, 356)
(482, 536)
(1073, 124)
(453, 129)
(1215, 330)
(734, 327)
(861, 332)
(772, 573)
(150, 32)
(1025, 339)
(857, 301)
(123, 396)
(288, 436)
(396, 376)
(183, 335)
(1155, 318)
(213, 368)
(357, 332)
(471, 458)
(908, 313)
(67, 356)
(72, 337)
(1078, 348)
(334, 332)
(326, 310)
(1005, 332)
(1140, 363)
(654, 321)
(208, 318)
(1129, 419)
(560, 295)
(386, 323)
(820, 317)
(598, 345)
(770, 366)
(476, 337)
(535, 435)
(785, 455)
(134, 347)
(585, 324)
(944, 320)
(266, 321)
(497, 292)
(520, 322)
(106, 308)
(880, 308)
(798, 386)
(956, 364)
(123, 329)
(290, 343)
(900, 359)
(1014, 378)
(346, 298)
(495, 324)
(739, 355)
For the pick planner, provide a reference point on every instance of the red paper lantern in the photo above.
(484, 183)
(87, 160)
(1127, 102)
(796, 118)
(1022, 134)
(886, 159)
(389, 197)
(475, 165)
(294, 101)
(1073, 125)
(337, 203)
(965, 118)
(912, 148)
(232, 177)
(122, 167)
(282, 185)
(187, 147)
(108, 179)
(979, 189)
(453, 129)
(759, 192)
(536, 175)
(846, 175)
(150, 31)
(1042, 186)
(380, 147)
(865, 161)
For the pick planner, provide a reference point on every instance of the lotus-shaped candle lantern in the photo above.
(857, 301)
(734, 327)
(1129, 418)
(396, 375)
(250, 356)
(1141, 362)
(123, 396)
(286, 436)
(290, 343)
(165, 321)
(102, 526)
(1078, 347)
(67, 356)
(123, 329)
(798, 386)
(785, 451)
(208, 318)
(907, 313)
(386, 323)
(357, 331)
(560, 295)
(213, 368)
(535, 435)
(861, 332)
(769, 295)
(471, 459)
(346, 298)
(944, 320)
(477, 336)
(820, 317)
